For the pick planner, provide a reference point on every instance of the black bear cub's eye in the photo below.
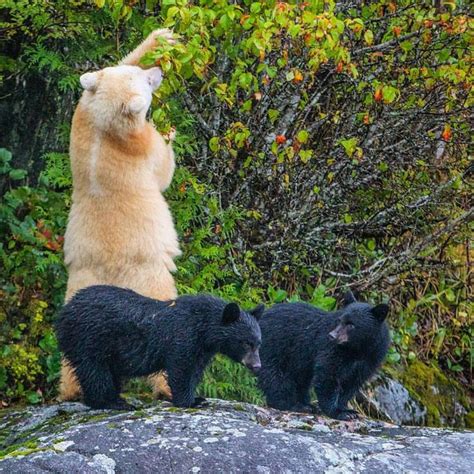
(350, 326)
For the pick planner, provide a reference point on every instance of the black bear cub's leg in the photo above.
(303, 403)
(99, 387)
(183, 394)
(327, 394)
(180, 379)
(348, 392)
(333, 401)
(281, 392)
(183, 378)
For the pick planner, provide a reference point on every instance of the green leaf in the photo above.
(5, 155)
(349, 145)
(33, 397)
(214, 144)
(369, 37)
(302, 136)
(393, 357)
(17, 174)
(450, 295)
(273, 114)
(255, 7)
(172, 12)
(389, 94)
(406, 46)
(279, 296)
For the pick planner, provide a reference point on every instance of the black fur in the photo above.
(109, 333)
(334, 352)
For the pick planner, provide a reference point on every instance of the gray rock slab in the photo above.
(223, 437)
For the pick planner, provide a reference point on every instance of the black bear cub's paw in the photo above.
(200, 402)
(347, 415)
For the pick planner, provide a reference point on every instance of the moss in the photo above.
(92, 418)
(238, 407)
(20, 449)
(430, 387)
(469, 419)
(61, 418)
(305, 427)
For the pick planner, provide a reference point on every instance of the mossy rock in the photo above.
(470, 420)
(446, 402)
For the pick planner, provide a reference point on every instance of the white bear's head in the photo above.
(119, 96)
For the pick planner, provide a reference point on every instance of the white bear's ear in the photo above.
(89, 81)
(155, 76)
(136, 105)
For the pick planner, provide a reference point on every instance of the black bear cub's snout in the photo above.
(251, 360)
(339, 334)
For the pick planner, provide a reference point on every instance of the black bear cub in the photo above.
(108, 333)
(334, 352)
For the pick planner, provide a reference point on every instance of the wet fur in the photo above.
(298, 354)
(109, 334)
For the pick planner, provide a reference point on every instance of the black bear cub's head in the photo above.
(242, 336)
(359, 323)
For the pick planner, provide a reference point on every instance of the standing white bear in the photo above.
(120, 230)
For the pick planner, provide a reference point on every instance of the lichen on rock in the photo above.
(224, 436)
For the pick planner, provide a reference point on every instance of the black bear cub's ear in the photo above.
(257, 311)
(349, 298)
(231, 313)
(380, 312)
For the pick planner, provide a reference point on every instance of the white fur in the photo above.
(155, 76)
(96, 189)
(89, 81)
(120, 229)
(137, 104)
(132, 89)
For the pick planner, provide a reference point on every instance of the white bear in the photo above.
(120, 230)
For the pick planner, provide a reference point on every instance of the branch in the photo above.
(191, 105)
(386, 45)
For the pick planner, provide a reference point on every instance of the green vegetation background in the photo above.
(318, 147)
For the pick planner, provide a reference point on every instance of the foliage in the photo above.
(354, 118)
(320, 145)
(32, 285)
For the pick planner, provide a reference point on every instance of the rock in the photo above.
(223, 437)
(418, 395)
(388, 399)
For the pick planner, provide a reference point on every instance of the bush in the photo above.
(32, 285)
